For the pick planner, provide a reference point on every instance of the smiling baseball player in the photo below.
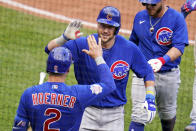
(161, 34)
(121, 56)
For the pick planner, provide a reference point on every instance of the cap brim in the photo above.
(108, 22)
(150, 1)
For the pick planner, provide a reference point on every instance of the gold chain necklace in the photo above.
(152, 26)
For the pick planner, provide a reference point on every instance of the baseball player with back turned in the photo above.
(161, 34)
(121, 55)
(186, 9)
(55, 106)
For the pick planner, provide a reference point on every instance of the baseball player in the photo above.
(187, 8)
(55, 106)
(161, 34)
(121, 55)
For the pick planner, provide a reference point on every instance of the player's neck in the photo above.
(57, 78)
(161, 13)
(108, 44)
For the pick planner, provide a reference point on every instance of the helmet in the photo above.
(59, 60)
(111, 16)
(150, 1)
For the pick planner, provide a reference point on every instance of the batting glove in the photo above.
(149, 105)
(73, 30)
(156, 64)
(188, 7)
(191, 127)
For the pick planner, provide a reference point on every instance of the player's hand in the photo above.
(156, 64)
(149, 105)
(95, 50)
(73, 30)
(189, 6)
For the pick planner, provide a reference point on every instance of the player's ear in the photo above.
(116, 29)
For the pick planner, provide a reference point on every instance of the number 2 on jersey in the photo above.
(51, 120)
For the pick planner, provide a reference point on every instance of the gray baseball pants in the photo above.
(166, 86)
(103, 119)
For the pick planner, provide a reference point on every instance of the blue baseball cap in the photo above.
(59, 60)
(150, 1)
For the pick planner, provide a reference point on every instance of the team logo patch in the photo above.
(18, 124)
(21, 124)
(54, 86)
(119, 69)
(163, 36)
(96, 89)
(109, 16)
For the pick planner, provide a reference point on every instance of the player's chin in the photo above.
(105, 38)
(151, 12)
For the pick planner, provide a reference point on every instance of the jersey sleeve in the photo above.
(133, 37)
(140, 65)
(180, 35)
(88, 94)
(21, 119)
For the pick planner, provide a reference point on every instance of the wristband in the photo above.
(150, 90)
(61, 39)
(185, 14)
(46, 50)
(164, 59)
(99, 60)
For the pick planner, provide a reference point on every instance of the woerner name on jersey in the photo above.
(53, 99)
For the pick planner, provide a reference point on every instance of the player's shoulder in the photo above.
(125, 43)
(83, 40)
(172, 13)
(29, 90)
(37, 88)
(78, 41)
(142, 13)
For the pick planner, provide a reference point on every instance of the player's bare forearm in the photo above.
(174, 53)
(149, 83)
(52, 44)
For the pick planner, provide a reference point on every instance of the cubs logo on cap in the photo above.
(109, 16)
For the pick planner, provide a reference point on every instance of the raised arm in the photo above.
(71, 32)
